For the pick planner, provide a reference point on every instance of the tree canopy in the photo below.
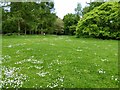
(29, 17)
(91, 6)
(101, 22)
(70, 22)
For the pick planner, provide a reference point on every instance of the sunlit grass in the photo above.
(60, 61)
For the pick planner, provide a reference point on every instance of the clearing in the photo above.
(37, 61)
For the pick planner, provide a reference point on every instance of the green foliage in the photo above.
(7, 27)
(91, 6)
(70, 20)
(29, 18)
(59, 26)
(101, 22)
(72, 29)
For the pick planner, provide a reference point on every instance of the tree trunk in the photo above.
(25, 31)
(36, 28)
(32, 32)
(41, 32)
(29, 31)
(18, 27)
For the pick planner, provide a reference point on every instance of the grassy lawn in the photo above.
(59, 61)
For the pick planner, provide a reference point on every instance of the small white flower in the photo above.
(104, 60)
(42, 74)
(55, 85)
(59, 56)
(116, 79)
(95, 53)
(52, 44)
(101, 71)
(32, 56)
(61, 79)
(79, 50)
(17, 51)
(10, 46)
(79, 57)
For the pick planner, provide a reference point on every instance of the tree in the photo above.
(70, 20)
(78, 10)
(59, 26)
(101, 22)
(16, 11)
(29, 17)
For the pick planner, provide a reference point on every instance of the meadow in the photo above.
(50, 61)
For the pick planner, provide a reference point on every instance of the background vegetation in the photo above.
(29, 18)
(97, 19)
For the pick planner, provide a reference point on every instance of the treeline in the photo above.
(97, 19)
(30, 18)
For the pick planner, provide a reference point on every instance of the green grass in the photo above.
(59, 61)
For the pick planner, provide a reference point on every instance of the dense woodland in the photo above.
(97, 19)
